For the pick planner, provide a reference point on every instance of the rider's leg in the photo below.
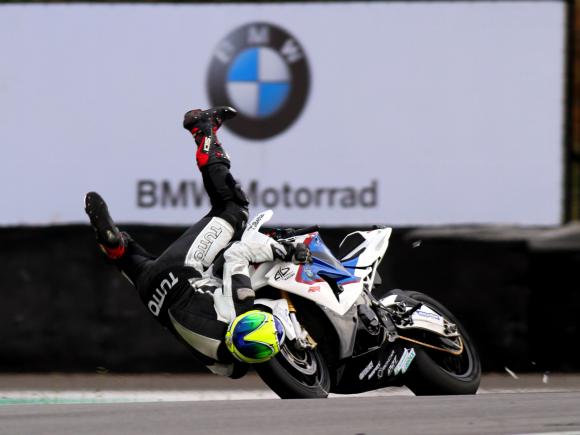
(198, 247)
(226, 195)
(201, 243)
(227, 198)
(136, 260)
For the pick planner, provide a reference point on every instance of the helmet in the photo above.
(255, 336)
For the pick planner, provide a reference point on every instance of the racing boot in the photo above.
(203, 125)
(109, 238)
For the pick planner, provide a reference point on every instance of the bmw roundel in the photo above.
(261, 70)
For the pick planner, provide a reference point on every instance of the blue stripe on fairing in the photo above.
(350, 264)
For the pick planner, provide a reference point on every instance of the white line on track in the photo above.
(140, 396)
(552, 433)
(8, 397)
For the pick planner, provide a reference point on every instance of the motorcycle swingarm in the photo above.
(412, 319)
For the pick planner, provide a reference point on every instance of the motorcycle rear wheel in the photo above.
(296, 374)
(436, 373)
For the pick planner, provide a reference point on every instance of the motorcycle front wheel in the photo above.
(296, 373)
(436, 373)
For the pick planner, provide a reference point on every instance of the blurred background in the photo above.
(456, 123)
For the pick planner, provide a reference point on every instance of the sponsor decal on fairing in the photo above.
(382, 368)
(283, 274)
(405, 361)
(366, 370)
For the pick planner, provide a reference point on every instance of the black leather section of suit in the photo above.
(227, 198)
(154, 292)
(221, 186)
(163, 282)
(195, 311)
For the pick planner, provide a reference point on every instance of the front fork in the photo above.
(303, 339)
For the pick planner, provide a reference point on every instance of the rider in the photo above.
(199, 288)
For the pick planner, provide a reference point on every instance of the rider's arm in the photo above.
(238, 295)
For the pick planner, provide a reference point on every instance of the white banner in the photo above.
(350, 113)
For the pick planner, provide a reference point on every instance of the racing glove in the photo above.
(297, 253)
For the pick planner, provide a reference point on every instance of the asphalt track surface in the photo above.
(506, 406)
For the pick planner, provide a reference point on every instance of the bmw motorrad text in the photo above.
(190, 193)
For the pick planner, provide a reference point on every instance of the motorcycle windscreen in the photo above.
(324, 264)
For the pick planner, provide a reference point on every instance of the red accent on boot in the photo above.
(202, 156)
(114, 253)
(197, 136)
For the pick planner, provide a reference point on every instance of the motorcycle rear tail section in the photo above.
(362, 249)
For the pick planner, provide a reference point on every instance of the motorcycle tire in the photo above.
(294, 374)
(436, 373)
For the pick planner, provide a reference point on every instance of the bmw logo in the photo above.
(261, 70)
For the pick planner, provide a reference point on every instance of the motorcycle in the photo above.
(340, 338)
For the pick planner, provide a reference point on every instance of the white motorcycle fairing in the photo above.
(328, 282)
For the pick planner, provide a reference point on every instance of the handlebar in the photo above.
(302, 231)
(286, 233)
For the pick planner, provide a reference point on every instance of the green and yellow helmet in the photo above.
(255, 336)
